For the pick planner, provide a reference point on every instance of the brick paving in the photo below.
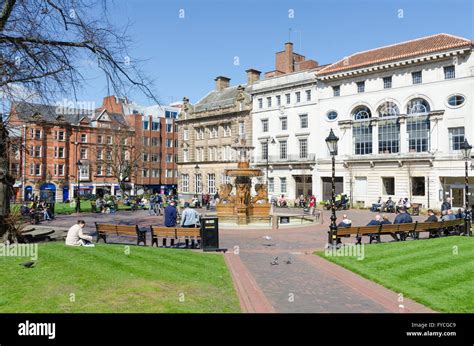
(307, 284)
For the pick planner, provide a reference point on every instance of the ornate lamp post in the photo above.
(331, 142)
(466, 150)
(78, 204)
(268, 141)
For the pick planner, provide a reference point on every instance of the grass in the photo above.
(61, 208)
(438, 273)
(105, 279)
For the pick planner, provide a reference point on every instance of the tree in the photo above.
(43, 45)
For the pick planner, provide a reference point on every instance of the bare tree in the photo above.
(44, 45)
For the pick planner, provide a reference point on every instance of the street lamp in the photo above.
(331, 142)
(268, 141)
(466, 150)
(78, 204)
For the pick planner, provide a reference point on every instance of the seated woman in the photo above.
(75, 236)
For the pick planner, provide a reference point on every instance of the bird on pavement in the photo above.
(274, 262)
(288, 261)
(29, 264)
(267, 237)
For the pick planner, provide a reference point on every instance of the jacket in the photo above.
(74, 235)
(170, 216)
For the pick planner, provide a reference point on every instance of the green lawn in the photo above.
(427, 271)
(65, 208)
(105, 279)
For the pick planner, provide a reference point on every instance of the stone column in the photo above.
(403, 135)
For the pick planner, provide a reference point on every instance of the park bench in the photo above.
(403, 229)
(128, 230)
(175, 234)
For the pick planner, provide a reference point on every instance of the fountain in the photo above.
(243, 206)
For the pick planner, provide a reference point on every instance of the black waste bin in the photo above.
(210, 233)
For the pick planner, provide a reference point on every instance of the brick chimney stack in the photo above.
(252, 76)
(222, 82)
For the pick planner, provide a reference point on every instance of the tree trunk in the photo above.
(6, 185)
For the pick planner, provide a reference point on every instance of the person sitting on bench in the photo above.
(190, 217)
(403, 217)
(376, 206)
(75, 237)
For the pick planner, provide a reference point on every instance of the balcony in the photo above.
(276, 159)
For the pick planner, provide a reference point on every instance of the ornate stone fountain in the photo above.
(242, 205)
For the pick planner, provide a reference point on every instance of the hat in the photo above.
(186, 204)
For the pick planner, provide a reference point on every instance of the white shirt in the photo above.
(74, 235)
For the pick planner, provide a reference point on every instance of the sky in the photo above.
(226, 37)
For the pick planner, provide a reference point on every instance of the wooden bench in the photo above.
(175, 234)
(129, 230)
(403, 229)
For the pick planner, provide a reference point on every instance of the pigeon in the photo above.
(288, 261)
(29, 264)
(267, 237)
(274, 262)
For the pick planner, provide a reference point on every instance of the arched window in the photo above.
(361, 113)
(362, 131)
(418, 106)
(388, 109)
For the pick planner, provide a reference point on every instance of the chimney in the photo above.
(252, 76)
(290, 67)
(222, 82)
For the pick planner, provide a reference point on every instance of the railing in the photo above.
(273, 159)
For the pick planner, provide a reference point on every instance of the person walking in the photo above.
(171, 214)
(151, 208)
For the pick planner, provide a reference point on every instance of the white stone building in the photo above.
(400, 111)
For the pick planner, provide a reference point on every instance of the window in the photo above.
(145, 125)
(303, 148)
(227, 130)
(185, 135)
(155, 126)
(304, 121)
(83, 154)
(283, 150)
(336, 90)
(38, 151)
(456, 100)
(145, 157)
(169, 127)
(84, 172)
(456, 137)
(169, 173)
(449, 72)
(260, 103)
(100, 139)
(389, 136)
(388, 109)
(37, 169)
(108, 171)
(213, 131)
(416, 77)
(59, 135)
(169, 158)
(145, 173)
(241, 129)
(108, 155)
(211, 183)
(109, 139)
(264, 150)
(278, 98)
(308, 95)
(360, 87)
(185, 182)
(418, 106)
(284, 123)
(271, 184)
(264, 125)
(269, 101)
(198, 183)
(331, 115)
(225, 179)
(169, 143)
(185, 155)
(155, 141)
(60, 170)
(83, 138)
(362, 137)
(418, 186)
(146, 141)
(418, 133)
(283, 185)
(99, 169)
(298, 97)
(37, 134)
(388, 186)
(155, 157)
(170, 114)
(288, 98)
(155, 173)
(387, 82)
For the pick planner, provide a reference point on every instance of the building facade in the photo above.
(400, 112)
(49, 141)
(208, 130)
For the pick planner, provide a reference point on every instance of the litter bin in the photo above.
(210, 233)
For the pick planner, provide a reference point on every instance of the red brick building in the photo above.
(48, 141)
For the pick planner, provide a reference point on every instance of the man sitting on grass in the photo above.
(75, 237)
